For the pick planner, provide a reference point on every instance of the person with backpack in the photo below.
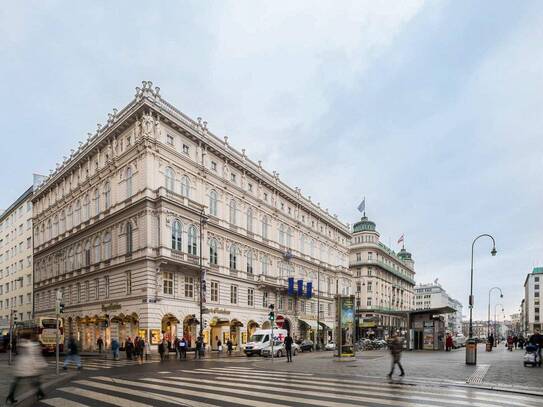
(73, 354)
(183, 348)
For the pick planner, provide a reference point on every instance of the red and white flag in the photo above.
(400, 240)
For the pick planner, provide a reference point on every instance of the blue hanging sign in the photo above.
(291, 286)
(309, 289)
(300, 287)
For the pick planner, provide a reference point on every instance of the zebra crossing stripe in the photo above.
(242, 389)
(60, 402)
(143, 394)
(197, 392)
(508, 400)
(348, 390)
(93, 395)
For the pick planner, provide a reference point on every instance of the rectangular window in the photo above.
(233, 294)
(265, 299)
(189, 286)
(167, 283)
(28, 243)
(214, 291)
(370, 286)
(169, 139)
(233, 177)
(280, 302)
(290, 304)
(78, 293)
(369, 302)
(358, 256)
(185, 149)
(250, 297)
(106, 286)
(370, 255)
(128, 282)
(329, 310)
(97, 288)
(250, 187)
(213, 165)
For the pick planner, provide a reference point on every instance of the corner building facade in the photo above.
(120, 224)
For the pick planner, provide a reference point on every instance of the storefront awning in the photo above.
(310, 324)
(216, 321)
(324, 326)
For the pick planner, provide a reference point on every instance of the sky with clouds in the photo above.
(431, 110)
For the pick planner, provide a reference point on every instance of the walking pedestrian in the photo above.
(219, 345)
(183, 348)
(100, 343)
(129, 348)
(521, 342)
(229, 347)
(198, 350)
(28, 365)
(140, 349)
(396, 348)
(288, 347)
(136, 347)
(162, 349)
(147, 349)
(515, 341)
(73, 354)
(491, 340)
(176, 347)
(537, 339)
(449, 342)
(115, 349)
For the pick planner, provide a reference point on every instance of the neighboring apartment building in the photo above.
(433, 295)
(117, 230)
(532, 300)
(383, 282)
(480, 328)
(515, 323)
(16, 260)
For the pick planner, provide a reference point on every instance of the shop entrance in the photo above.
(216, 331)
(190, 329)
(169, 328)
(235, 332)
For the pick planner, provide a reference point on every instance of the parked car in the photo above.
(306, 345)
(330, 346)
(459, 340)
(279, 350)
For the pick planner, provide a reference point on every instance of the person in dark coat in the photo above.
(288, 347)
(100, 343)
(229, 347)
(162, 348)
(73, 354)
(396, 348)
(129, 348)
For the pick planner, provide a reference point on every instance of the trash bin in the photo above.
(488, 347)
(471, 352)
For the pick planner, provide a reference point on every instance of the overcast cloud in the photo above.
(433, 111)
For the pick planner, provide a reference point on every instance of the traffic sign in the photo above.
(280, 320)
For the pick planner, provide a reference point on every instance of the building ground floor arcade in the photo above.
(156, 321)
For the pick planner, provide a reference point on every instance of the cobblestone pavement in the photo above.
(504, 368)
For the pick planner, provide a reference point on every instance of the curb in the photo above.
(28, 399)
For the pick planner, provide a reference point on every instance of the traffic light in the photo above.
(205, 323)
(61, 308)
(271, 315)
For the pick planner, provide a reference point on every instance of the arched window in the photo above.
(78, 256)
(71, 259)
(97, 251)
(128, 182)
(77, 213)
(264, 265)
(185, 186)
(107, 195)
(87, 253)
(55, 226)
(96, 201)
(86, 205)
(176, 235)
(249, 262)
(192, 246)
(265, 227)
(282, 234)
(232, 212)
(169, 178)
(213, 254)
(129, 237)
(62, 223)
(107, 246)
(249, 220)
(289, 237)
(233, 257)
(49, 230)
(213, 203)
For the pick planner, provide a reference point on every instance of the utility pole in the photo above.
(57, 336)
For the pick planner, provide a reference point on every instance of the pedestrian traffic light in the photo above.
(60, 308)
(271, 316)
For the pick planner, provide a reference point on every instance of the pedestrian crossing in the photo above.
(251, 386)
(99, 363)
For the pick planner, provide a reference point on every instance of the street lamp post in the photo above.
(501, 296)
(471, 348)
(497, 339)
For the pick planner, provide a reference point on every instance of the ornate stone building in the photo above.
(383, 282)
(117, 230)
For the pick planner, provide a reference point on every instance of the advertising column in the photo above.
(346, 326)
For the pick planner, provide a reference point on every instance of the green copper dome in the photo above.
(364, 225)
(404, 254)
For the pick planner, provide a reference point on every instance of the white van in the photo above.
(261, 340)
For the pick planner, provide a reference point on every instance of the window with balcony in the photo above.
(176, 235)
(213, 254)
(249, 262)
(129, 238)
(233, 257)
(192, 241)
(169, 179)
(232, 208)
(249, 220)
(213, 203)
(185, 186)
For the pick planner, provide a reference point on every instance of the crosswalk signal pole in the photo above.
(57, 336)
(271, 317)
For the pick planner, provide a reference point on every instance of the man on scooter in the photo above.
(537, 339)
